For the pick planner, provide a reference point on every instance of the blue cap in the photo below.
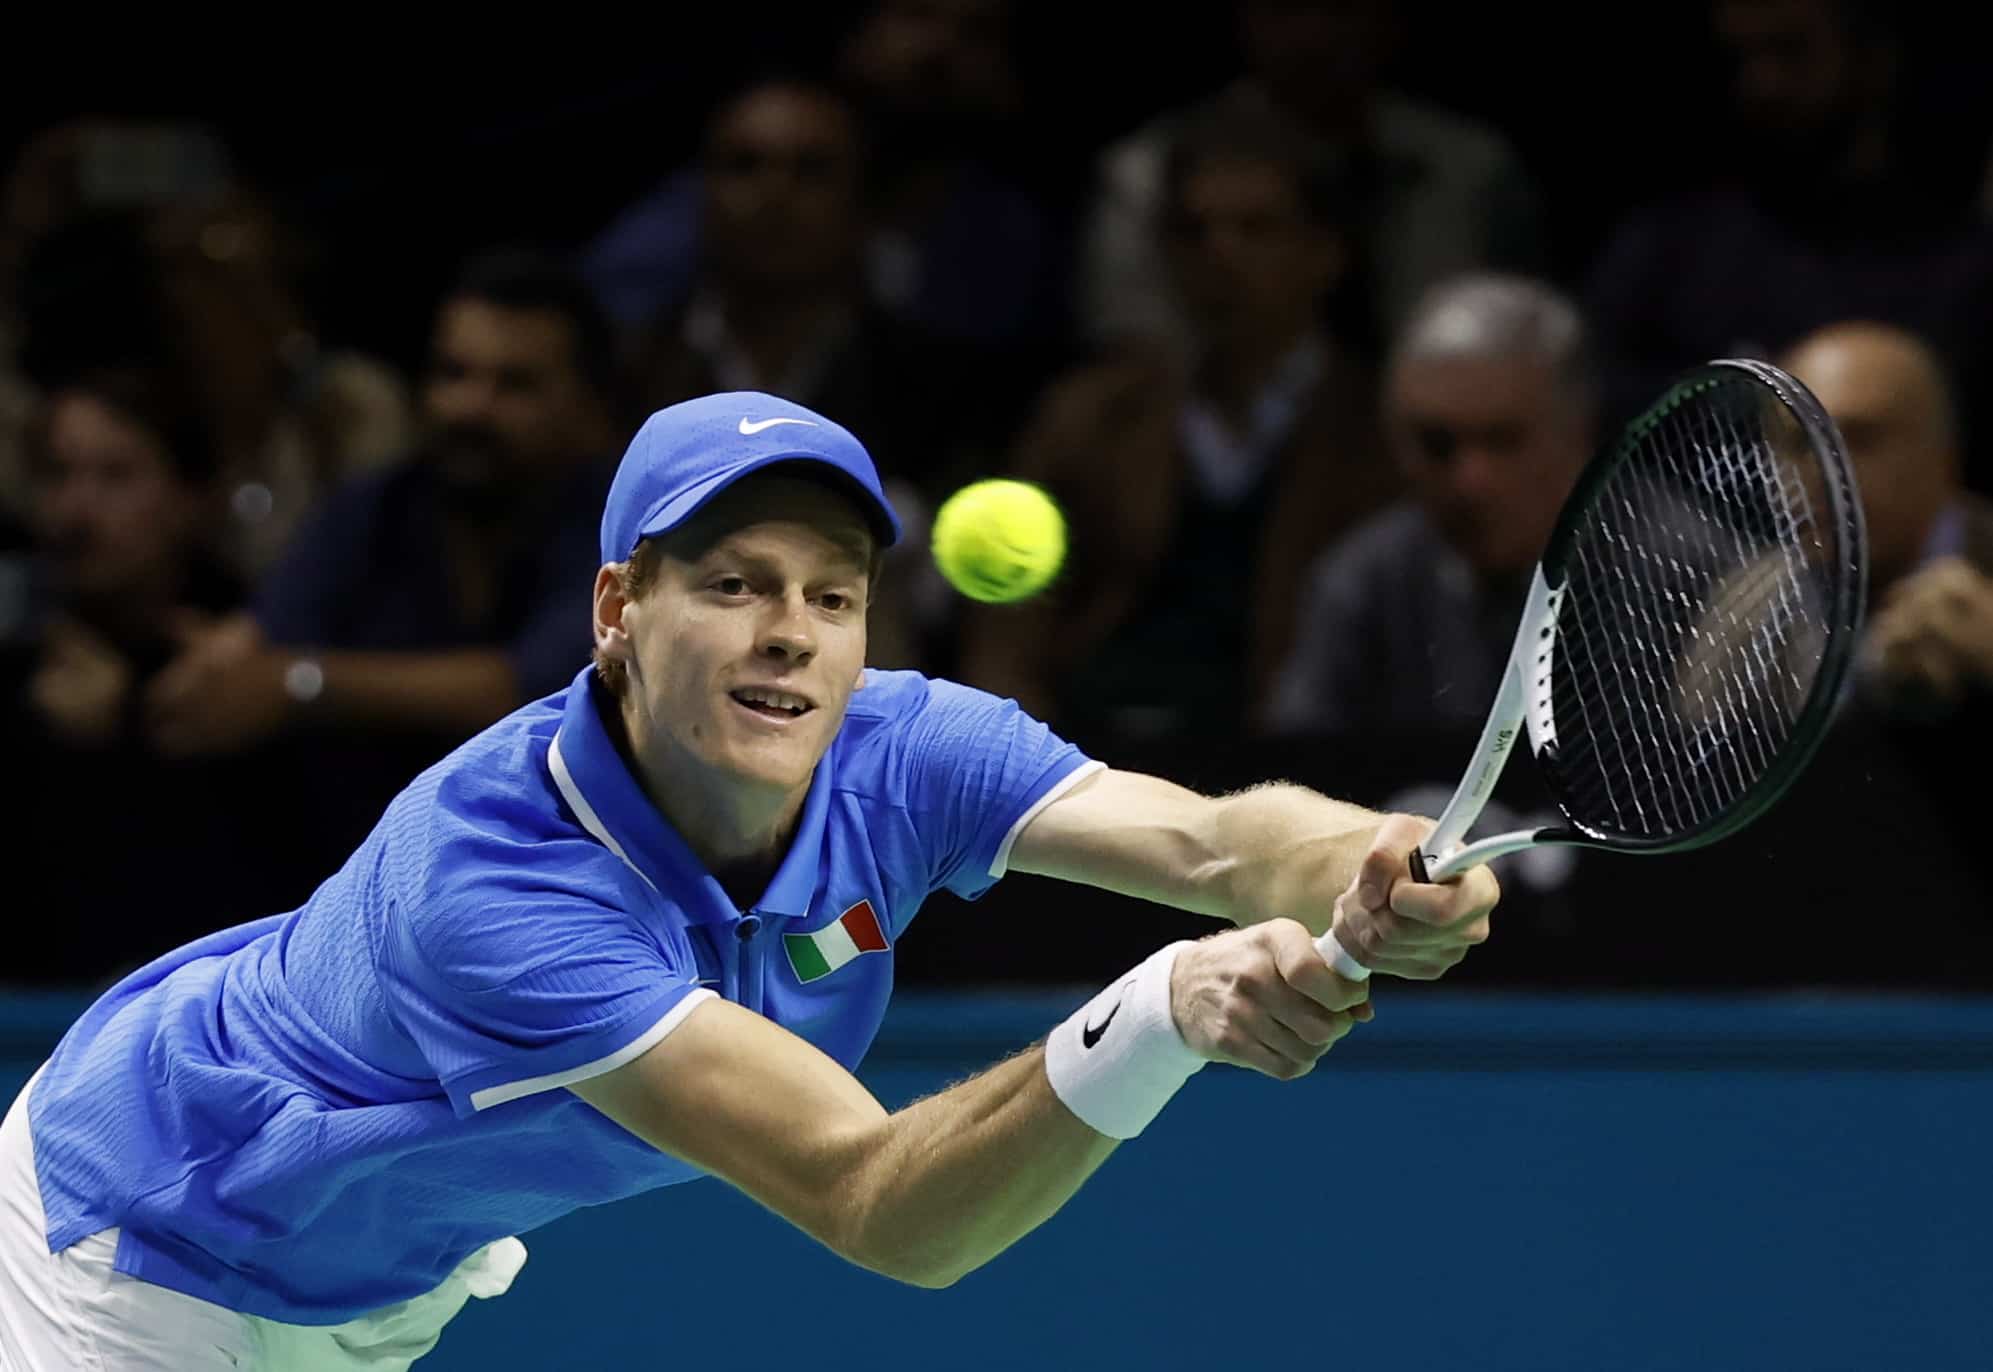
(687, 453)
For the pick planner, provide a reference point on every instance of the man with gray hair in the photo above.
(1489, 408)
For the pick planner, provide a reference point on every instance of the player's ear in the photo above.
(612, 598)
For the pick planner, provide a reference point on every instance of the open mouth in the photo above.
(770, 704)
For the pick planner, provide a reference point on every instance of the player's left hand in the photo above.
(1399, 927)
(225, 691)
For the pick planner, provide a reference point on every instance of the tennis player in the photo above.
(642, 930)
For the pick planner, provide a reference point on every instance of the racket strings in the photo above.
(1662, 767)
(1645, 742)
(1687, 643)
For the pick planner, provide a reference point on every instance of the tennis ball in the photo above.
(999, 541)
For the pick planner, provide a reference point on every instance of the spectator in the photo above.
(781, 306)
(1490, 405)
(1929, 648)
(137, 244)
(429, 598)
(120, 569)
(1435, 193)
(1831, 216)
(1198, 493)
(951, 245)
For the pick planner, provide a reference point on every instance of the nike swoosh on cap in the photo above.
(755, 426)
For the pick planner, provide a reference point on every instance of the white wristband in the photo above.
(1117, 1061)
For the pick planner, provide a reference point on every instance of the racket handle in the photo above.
(1334, 954)
(1338, 957)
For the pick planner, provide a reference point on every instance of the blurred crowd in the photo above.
(1299, 361)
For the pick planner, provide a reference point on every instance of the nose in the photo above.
(787, 634)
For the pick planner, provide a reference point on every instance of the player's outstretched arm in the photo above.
(931, 1192)
(1275, 851)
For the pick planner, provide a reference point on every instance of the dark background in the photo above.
(398, 146)
(401, 150)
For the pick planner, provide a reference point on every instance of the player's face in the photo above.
(1491, 447)
(747, 648)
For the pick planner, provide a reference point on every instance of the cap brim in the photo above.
(671, 513)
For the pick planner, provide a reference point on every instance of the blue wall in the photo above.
(1472, 1181)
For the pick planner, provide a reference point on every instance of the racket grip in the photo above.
(1334, 954)
(1417, 863)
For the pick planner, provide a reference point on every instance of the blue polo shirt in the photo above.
(324, 1112)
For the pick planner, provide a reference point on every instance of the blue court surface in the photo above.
(1473, 1181)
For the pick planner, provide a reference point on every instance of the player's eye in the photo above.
(731, 585)
(835, 601)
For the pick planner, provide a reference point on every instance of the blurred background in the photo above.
(324, 340)
(1306, 311)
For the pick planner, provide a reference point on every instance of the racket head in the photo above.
(1710, 572)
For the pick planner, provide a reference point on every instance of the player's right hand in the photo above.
(1404, 928)
(1262, 997)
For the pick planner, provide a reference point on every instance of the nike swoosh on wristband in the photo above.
(755, 426)
(1090, 1033)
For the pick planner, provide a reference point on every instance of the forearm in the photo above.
(1247, 857)
(944, 1185)
(459, 692)
(922, 1195)
(1275, 848)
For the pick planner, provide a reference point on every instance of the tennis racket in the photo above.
(1686, 634)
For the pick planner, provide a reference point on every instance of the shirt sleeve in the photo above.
(507, 993)
(978, 770)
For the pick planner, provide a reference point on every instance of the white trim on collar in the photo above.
(585, 812)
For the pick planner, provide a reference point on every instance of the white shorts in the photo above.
(73, 1312)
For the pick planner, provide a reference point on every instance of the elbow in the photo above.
(930, 1261)
(928, 1266)
(927, 1274)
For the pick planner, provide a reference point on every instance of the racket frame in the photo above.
(1843, 514)
(1523, 700)
(1522, 703)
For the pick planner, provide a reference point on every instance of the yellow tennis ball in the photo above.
(999, 541)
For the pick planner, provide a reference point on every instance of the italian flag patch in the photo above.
(829, 948)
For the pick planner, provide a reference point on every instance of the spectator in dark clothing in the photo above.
(114, 836)
(1432, 193)
(1832, 217)
(781, 305)
(1489, 403)
(951, 244)
(428, 599)
(1926, 669)
(1198, 490)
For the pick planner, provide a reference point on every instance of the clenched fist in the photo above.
(1262, 997)
(1405, 928)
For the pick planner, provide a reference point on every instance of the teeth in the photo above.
(781, 700)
